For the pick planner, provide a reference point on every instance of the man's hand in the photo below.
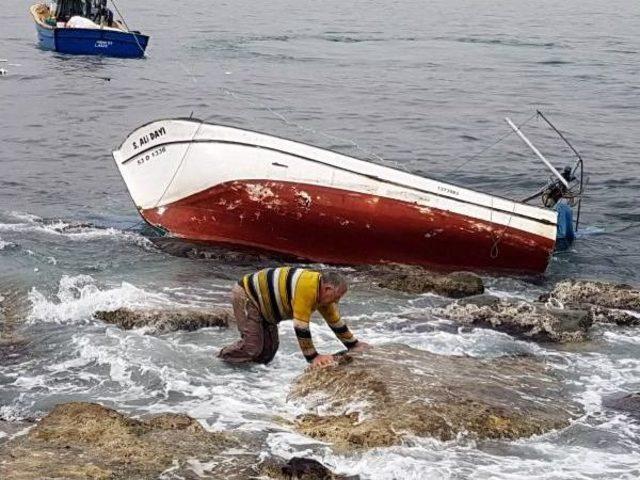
(360, 347)
(322, 361)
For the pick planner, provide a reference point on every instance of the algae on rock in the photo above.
(86, 440)
(89, 441)
(393, 391)
(414, 279)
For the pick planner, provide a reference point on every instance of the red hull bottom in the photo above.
(329, 225)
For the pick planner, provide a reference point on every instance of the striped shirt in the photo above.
(292, 293)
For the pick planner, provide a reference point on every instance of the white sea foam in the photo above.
(25, 217)
(78, 297)
(443, 337)
(15, 412)
(71, 230)
(6, 245)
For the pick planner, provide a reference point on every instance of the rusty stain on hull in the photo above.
(340, 226)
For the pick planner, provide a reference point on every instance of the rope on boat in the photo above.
(184, 156)
(124, 22)
(486, 149)
(368, 153)
(498, 238)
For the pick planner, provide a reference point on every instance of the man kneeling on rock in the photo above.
(262, 299)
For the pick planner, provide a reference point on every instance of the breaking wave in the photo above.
(79, 297)
(4, 245)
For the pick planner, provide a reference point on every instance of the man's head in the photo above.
(332, 287)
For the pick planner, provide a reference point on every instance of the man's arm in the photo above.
(331, 315)
(303, 334)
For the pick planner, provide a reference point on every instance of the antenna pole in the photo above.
(537, 152)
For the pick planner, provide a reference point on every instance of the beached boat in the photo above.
(83, 28)
(224, 185)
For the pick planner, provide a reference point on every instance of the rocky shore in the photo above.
(383, 397)
(89, 441)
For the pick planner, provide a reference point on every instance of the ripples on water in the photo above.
(421, 86)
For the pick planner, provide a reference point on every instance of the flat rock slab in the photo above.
(385, 394)
(14, 347)
(529, 321)
(167, 320)
(412, 279)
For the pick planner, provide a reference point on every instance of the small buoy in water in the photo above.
(3, 72)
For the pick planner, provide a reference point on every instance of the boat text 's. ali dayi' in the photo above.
(225, 185)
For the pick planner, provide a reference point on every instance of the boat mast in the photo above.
(537, 152)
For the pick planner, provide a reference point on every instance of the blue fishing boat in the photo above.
(86, 27)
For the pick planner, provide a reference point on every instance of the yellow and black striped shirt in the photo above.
(292, 293)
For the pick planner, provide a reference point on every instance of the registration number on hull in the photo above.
(103, 43)
(150, 156)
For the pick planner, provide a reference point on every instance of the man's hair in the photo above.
(335, 279)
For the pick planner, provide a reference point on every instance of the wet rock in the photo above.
(411, 279)
(13, 346)
(629, 404)
(182, 248)
(602, 294)
(387, 393)
(300, 469)
(607, 302)
(530, 321)
(609, 315)
(167, 320)
(90, 441)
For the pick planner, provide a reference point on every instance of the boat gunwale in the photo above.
(370, 176)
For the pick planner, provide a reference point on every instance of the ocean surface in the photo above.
(421, 86)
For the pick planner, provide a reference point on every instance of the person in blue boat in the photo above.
(95, 10)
